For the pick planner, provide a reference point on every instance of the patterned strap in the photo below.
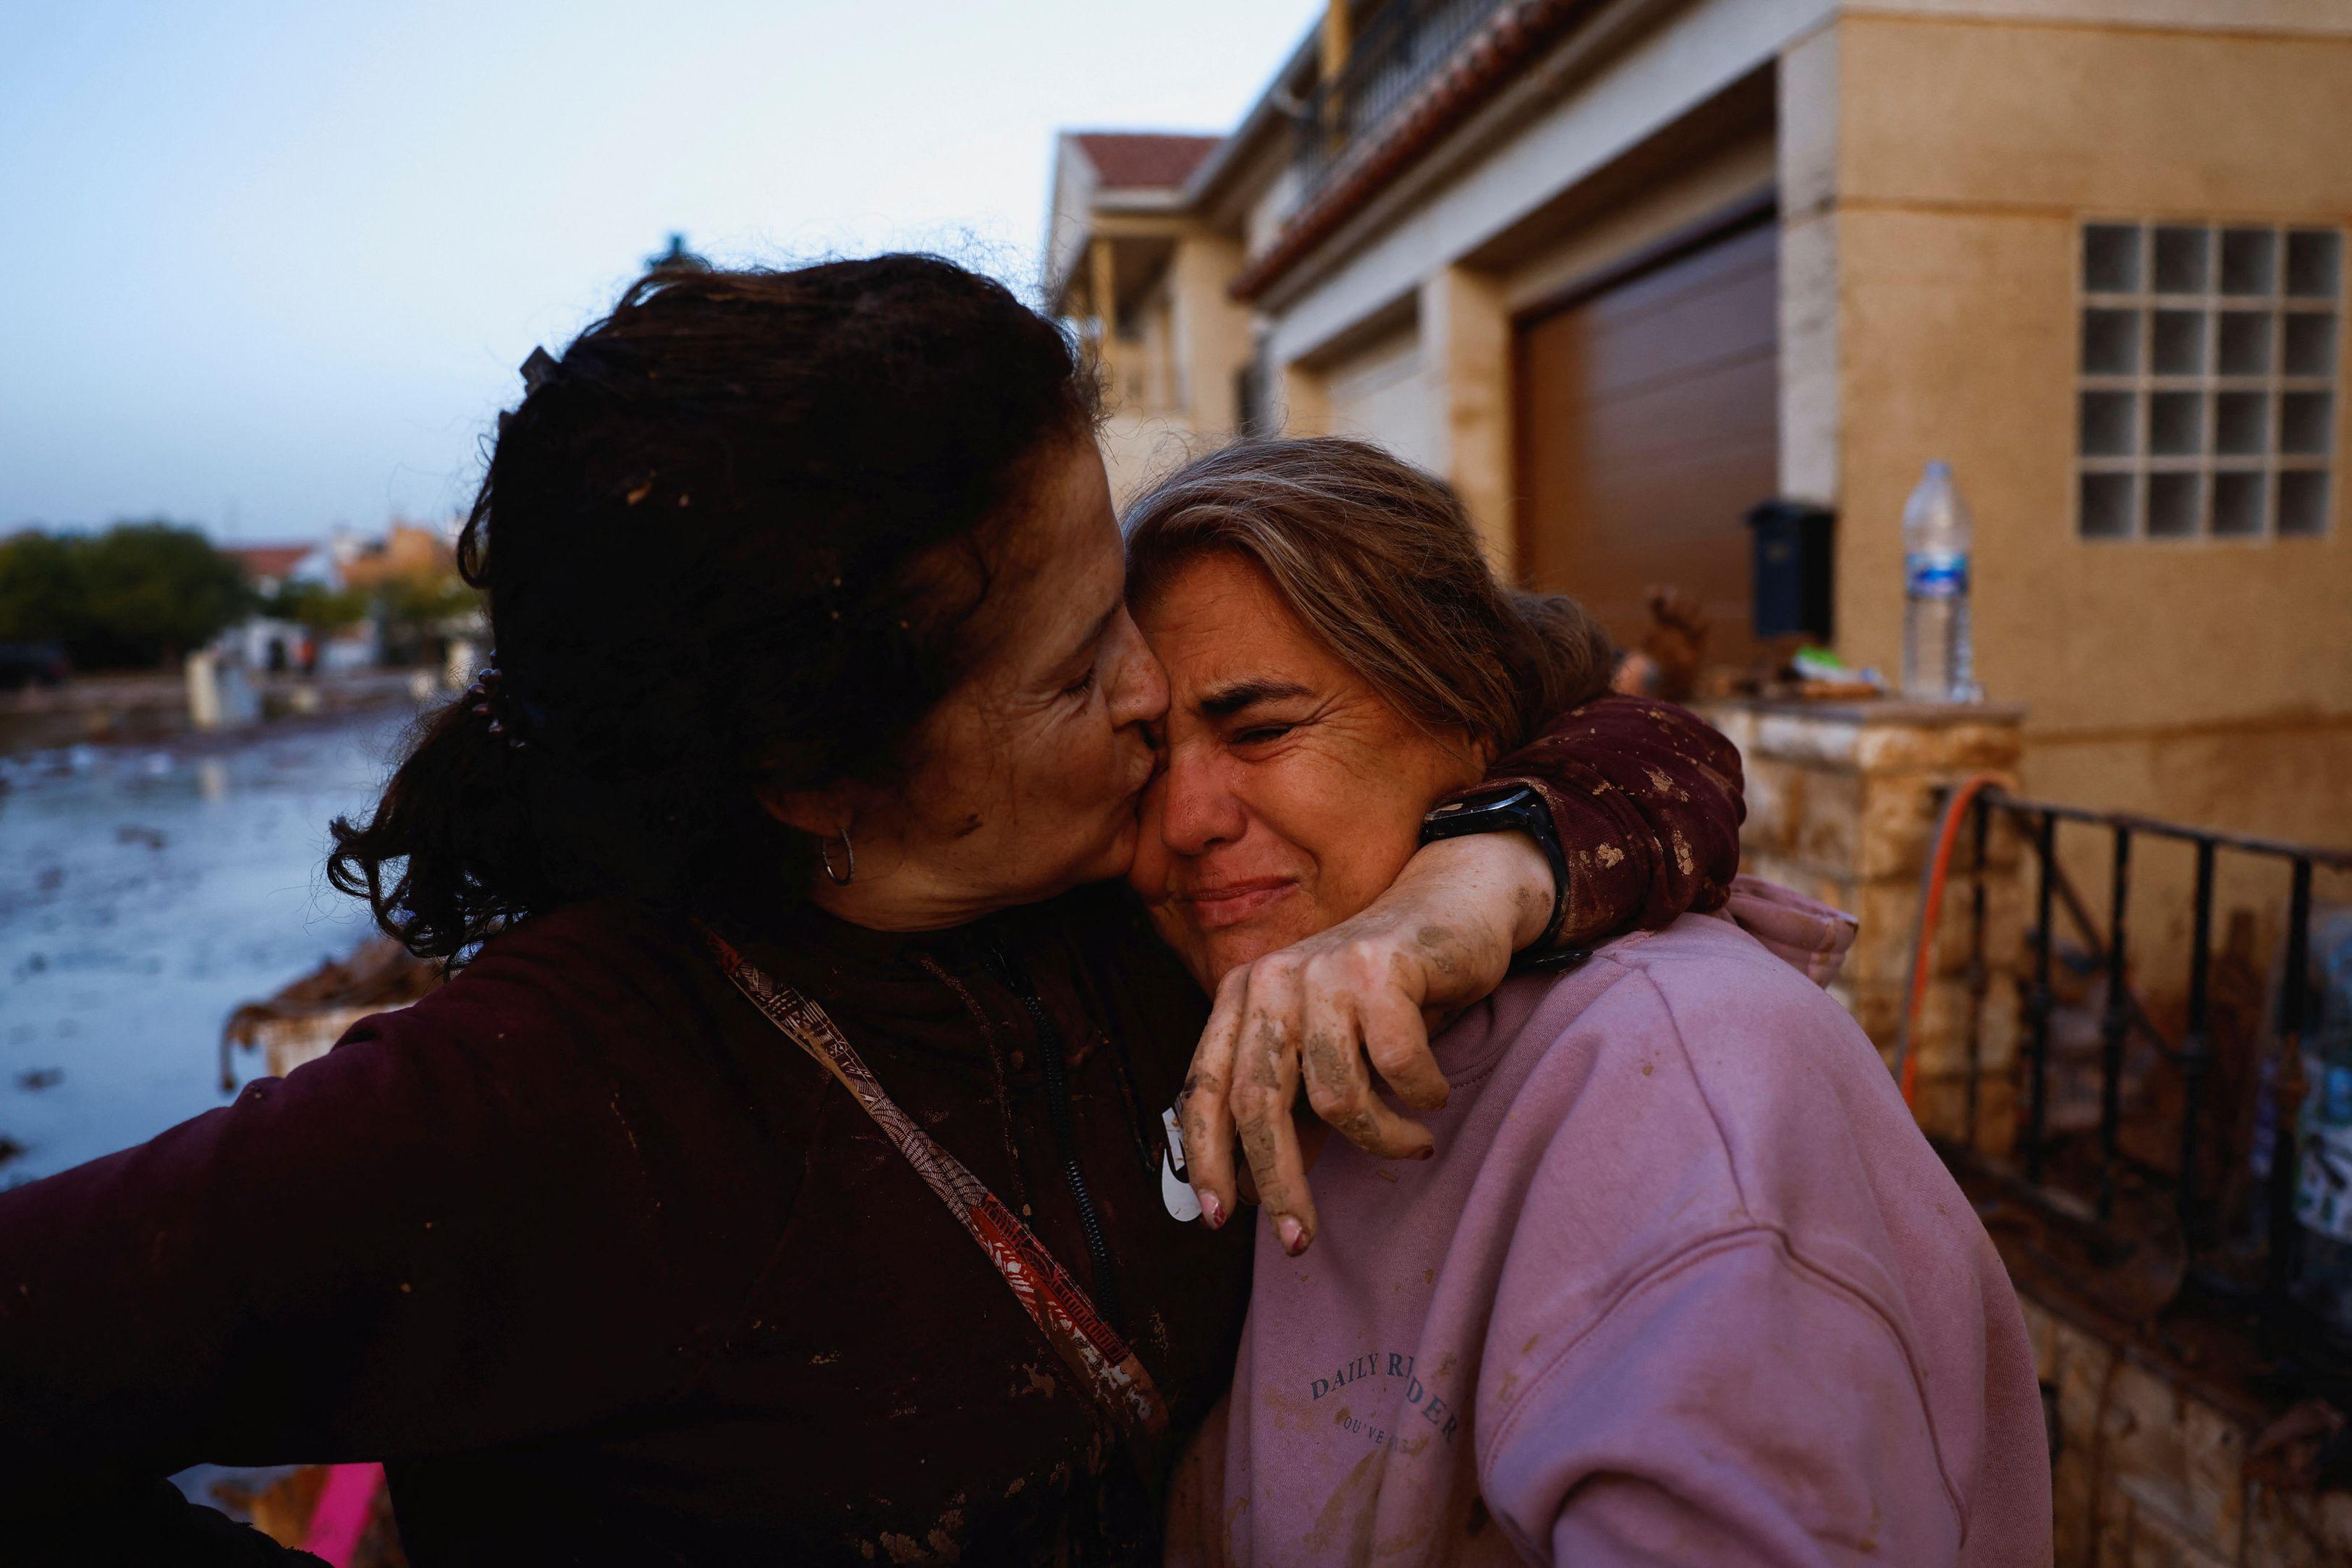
(1095, 1352)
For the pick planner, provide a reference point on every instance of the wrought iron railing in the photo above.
(1398, 46)
(2228, 1171)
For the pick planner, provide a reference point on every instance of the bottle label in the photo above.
(1936, 574)
(2323, 1187)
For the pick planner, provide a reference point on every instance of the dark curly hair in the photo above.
(732, 541)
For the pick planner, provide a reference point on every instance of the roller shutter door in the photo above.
(1647, 424)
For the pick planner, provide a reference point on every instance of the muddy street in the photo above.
(144, 893)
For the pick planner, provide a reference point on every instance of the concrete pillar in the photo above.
(1338, 37)
(1465, 352)
(219, 695)
(1338, 41)
(1808, 159)
(1212, 330)
(1102, 284)
(1301, 404)
(203, 690)
(1154, 378)
(1842, 805)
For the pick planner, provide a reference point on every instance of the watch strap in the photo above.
(1520, 808)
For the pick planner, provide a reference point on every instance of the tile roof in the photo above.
(1144, 160)
(270, 560)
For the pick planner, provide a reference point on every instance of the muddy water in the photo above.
(144, 893)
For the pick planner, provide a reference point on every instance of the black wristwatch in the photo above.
(1518, 811)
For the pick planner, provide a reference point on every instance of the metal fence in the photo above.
(1399, 47)
(2228, 1170)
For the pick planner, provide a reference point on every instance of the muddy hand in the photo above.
(1331, 1010)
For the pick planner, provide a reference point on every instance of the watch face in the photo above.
(1517, 803)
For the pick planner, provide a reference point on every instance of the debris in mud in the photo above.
(2303, 1449)
(40, 1078)
(133, 833)
(305, 1019)
(9, 1148)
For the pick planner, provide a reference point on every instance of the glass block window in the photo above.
(2207, 403)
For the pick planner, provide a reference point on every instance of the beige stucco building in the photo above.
(1622, 269)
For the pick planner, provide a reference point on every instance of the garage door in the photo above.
(1647, 425)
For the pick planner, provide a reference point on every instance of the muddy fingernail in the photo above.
(1428, 1153)
(1293, 1234)
(1212, 1211)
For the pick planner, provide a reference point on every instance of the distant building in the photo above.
(408, 562)
(412, 552)
(422, 609)
(1135, 263)
(1621, 271)
(265, 641)
(272, 568)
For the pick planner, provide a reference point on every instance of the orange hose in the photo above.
(1930, 911)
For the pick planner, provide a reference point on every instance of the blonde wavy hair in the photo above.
(1379, 562)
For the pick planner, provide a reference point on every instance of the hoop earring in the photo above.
(849, 852)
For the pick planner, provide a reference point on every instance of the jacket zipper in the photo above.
(1057, 1108)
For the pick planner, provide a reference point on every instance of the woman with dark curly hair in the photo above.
(781, 1178)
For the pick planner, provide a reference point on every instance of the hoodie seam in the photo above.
(1796, 1254)
(1706, 1248)
(1714, 1117)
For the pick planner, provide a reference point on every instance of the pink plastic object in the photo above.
(345, 1505)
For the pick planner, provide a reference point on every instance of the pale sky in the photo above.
(269, 267)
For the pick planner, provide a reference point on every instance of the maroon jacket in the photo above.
(605, 1270)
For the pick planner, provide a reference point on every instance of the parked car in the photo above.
(25, 664)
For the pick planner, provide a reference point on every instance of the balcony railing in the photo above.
(2166, 1132)
(1400, 45)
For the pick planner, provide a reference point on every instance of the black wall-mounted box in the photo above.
(1792, 540)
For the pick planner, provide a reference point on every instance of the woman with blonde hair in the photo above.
(1674, 1278)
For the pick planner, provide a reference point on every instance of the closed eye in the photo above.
(1259, 734)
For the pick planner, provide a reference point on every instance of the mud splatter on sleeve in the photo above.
(1646, 798)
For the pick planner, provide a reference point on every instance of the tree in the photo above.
(419, 612)
(40, 596)
(139, 594)
(153, 591)
(317, 608)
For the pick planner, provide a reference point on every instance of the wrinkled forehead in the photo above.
(1227, 638)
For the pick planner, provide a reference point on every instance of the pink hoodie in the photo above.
(1683, 1285)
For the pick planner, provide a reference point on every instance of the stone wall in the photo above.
(2150, 1458)
(2149, 1471)
(1843, 802)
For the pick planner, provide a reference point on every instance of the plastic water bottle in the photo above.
(1936, 665)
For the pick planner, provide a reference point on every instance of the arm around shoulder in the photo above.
(1646, 801)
